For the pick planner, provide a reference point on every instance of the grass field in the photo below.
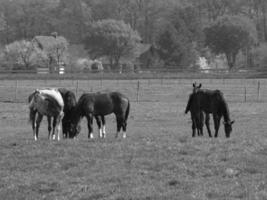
(158, 160)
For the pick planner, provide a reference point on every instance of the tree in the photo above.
(180, 37)
(229, 35)
(169, 47)
(19, 53)
(57, 50)
(71, 18)
(111, 38)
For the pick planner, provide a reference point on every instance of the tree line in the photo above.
(178, 30)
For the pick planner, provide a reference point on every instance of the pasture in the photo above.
(158, 160)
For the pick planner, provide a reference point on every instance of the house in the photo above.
(47, 44)
(148, 57)
(218, 63)
(143, 56)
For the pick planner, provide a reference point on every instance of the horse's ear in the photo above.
(199, 85)
(194, 84)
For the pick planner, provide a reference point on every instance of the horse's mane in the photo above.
(68, 98)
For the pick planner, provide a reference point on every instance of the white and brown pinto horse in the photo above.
(48, 102)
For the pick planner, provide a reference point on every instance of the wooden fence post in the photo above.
(101, 81)
(258, 91)
(137, 92)
(77, 87)
(16, 90)
(245, 94)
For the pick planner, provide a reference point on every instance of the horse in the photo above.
(69, 106)
(212, 102)
(197, 116)
(97, 105)
(47, 102)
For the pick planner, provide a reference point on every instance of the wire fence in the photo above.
(153, 73)
(140, 90)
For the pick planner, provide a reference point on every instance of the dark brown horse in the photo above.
(197, 116)
(47, 102)
(69, 106)
(212, 102)
(98, 105)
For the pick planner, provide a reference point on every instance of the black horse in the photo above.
(98, 105)
(197, 116)
(212, 101)
(69, 106)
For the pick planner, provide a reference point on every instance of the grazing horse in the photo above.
(69, 106)
(212, 102)
(47, 102)
(98, 105)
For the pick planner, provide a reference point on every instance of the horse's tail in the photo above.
(31, 115)
(127, 111)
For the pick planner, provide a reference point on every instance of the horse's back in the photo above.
(54, 93)
(103, 103)
(118, 97)
(68, 98)
(46, 101)
(209, 100)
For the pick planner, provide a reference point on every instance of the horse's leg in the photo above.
(65, 128)
(90, 126)
(119, 120)
(54, 128)
(201, 123)
(216, 119)
(59, 123)
(103, 125)
(34, 124)
(124, 126)
(207, 122)
(49, 126)
(193, 125)
(57, 126)
(38, 122)
(98, 122)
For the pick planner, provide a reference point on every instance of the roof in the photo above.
(141, 49)
(46, 42)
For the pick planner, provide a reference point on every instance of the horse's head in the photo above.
(195, 87)
(228, 128)
(74, 123)
(75, 129)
